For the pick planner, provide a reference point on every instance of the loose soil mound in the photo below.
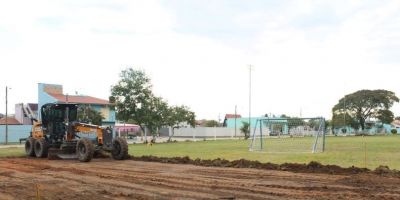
(312, 167)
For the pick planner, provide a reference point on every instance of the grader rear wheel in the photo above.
(119, 148)
(41, 148)
(84, 150)
(29, 147)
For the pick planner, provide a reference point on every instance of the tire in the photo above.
(119, 148)
(84, 150)
(41, 147)
(29, 147)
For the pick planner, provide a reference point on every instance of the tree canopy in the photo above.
(180, 114)
(211, 123)
(135, 102)
(365, 104)
(89, 115)
(340, 120)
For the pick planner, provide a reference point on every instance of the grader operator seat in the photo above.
(55, 118)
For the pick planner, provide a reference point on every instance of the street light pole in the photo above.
(235, 118)
(345, 112)
(6, 141)
(250, 68)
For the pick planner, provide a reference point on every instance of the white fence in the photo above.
(206, 132)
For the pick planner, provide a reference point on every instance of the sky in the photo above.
(305, 55)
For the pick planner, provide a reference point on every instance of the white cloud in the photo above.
(301, 61)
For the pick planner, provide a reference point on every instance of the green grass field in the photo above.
(13, 151)
(370, 151)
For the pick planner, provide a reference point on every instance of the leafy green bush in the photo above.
(245, 129)
(394, 131)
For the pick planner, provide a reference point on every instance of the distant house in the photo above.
(127, 129)
(10, 121)
(396, 125)
(201, 122)
(25, 112)
(230, 116)
(230, 122)
(51, 93)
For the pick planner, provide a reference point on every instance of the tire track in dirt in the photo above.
(138, 178)
(204, 181)
(108, 179)
(76, 178)
(189, 185)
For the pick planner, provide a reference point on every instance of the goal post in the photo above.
(297, 135)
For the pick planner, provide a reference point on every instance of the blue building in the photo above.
(270, 123)
(52, 93)
(230, 121)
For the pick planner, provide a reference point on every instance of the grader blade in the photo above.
(57, 154)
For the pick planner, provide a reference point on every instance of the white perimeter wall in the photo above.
(203, 132)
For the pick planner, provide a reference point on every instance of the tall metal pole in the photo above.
(235, 118)
(345, 112)
(250, 98)
(6, 141)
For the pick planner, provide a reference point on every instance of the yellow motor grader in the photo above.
(59, 134)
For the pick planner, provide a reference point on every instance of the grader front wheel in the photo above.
(84, 150)
(119, 148)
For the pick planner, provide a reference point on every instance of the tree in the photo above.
(385, 116)
(89, 115)
(135, 103)
(365, 104)
(177, 116)
(211, 123)
(133, 97)
(285, 116)
(245, 129)
(340, 120)
(156, 115)
(328, 123)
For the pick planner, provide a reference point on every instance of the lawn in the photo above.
(10, 152)
(369, 151)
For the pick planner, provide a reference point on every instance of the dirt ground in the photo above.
(129, 179)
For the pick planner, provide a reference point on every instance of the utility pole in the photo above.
(250, 68)
(344, 108)
(6, 141)
(345, 112)
(235, 118)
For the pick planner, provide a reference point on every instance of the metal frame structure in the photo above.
(271, 121)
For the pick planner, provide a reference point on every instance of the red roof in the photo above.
(10, 121)
(396, 123)
(79, 99)
(229, 116)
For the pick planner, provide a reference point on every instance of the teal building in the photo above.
(53, 93)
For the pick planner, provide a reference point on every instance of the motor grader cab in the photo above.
(59, 134)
